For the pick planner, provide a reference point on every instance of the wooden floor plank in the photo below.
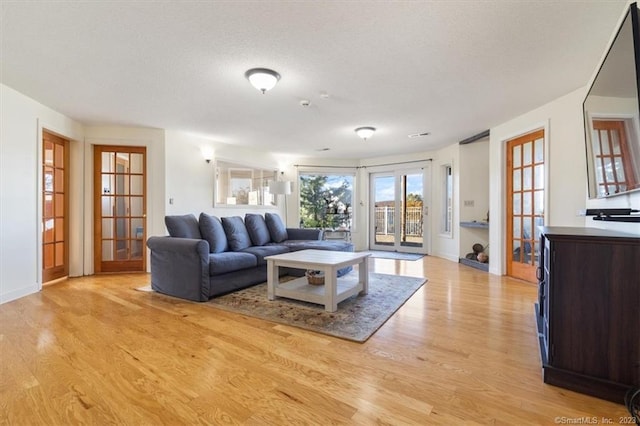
(462, 350)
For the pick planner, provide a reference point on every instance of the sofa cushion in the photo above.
(229, 261)
(296, 245)
(237, 235)
(261, 251)
(276, 227)
(257, 228)
(185, 226)
(212, 231)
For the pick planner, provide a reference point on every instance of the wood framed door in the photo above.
(525, 203)
(55, 205)
(119, 208)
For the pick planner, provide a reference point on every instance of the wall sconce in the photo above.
(207, 153)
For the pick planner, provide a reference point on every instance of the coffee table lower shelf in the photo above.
(335, 289)
(300, 289)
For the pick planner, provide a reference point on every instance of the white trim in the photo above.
(70, 173)
(443, 188)
(501, 268)
(17, 294)
(426, 224)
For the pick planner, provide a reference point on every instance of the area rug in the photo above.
(356, 319)
(394, 255)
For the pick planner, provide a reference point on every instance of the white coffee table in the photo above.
(334, 290)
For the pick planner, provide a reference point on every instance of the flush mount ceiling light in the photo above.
(262, 79)
(365, 132)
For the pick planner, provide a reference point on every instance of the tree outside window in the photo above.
(326, 200)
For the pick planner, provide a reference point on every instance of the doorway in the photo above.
(119, 209)
(55, 207)
(397, 211)
(525, 204)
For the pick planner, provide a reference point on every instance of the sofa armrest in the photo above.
(304, 234)
(180, 267)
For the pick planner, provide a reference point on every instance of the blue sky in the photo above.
(385, 187)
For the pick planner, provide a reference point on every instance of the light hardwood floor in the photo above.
(463, 349)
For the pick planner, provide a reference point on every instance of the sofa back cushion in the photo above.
(236, 232)
(185, 226)
(276, 227)
(212, 231)
(257, 228)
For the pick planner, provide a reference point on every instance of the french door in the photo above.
(119, 208)
(55, 202)
(525, 203)
(397, 211)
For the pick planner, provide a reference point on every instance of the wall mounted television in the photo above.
(611, 115)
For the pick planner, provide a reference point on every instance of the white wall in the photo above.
(565, 167)
(566, 171)
(153, 140)
(443, 245)
(474, 186)
(21, 123)
(190, 179)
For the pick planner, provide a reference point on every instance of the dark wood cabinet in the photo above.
(588, 310)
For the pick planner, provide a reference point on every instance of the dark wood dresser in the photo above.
(588, 312)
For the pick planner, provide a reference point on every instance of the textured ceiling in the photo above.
(451, 68)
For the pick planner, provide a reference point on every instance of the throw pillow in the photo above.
(236, 232)
(185, 226)
(212, 231)
(257, 228)
(276, 227)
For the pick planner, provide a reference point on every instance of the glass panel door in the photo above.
(55, 201)
(119, 209)
(397, 211)
(383, 214)
(411, 209)
(525, 203)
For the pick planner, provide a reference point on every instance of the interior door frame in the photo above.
(75, 233)
(507, 237)
(127, 265)
(41, 208)
(425, 169)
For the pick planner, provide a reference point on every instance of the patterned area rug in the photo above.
(394, 255)
(357, 318)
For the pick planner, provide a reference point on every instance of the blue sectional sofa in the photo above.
(207, 257)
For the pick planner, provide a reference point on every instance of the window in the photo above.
(447, 200)
(238, 184)
(326, 200)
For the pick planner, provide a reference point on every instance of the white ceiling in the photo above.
(451, 68)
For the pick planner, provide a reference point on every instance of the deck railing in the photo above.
(385, 221)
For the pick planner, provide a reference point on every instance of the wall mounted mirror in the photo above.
(611, 109)
(241, 184)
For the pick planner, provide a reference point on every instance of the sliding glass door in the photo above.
(397, 211)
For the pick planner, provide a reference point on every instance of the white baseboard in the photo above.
(452, 258)
(17, 294)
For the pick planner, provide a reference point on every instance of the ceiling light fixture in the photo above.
(365, 132)
(262, 79)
